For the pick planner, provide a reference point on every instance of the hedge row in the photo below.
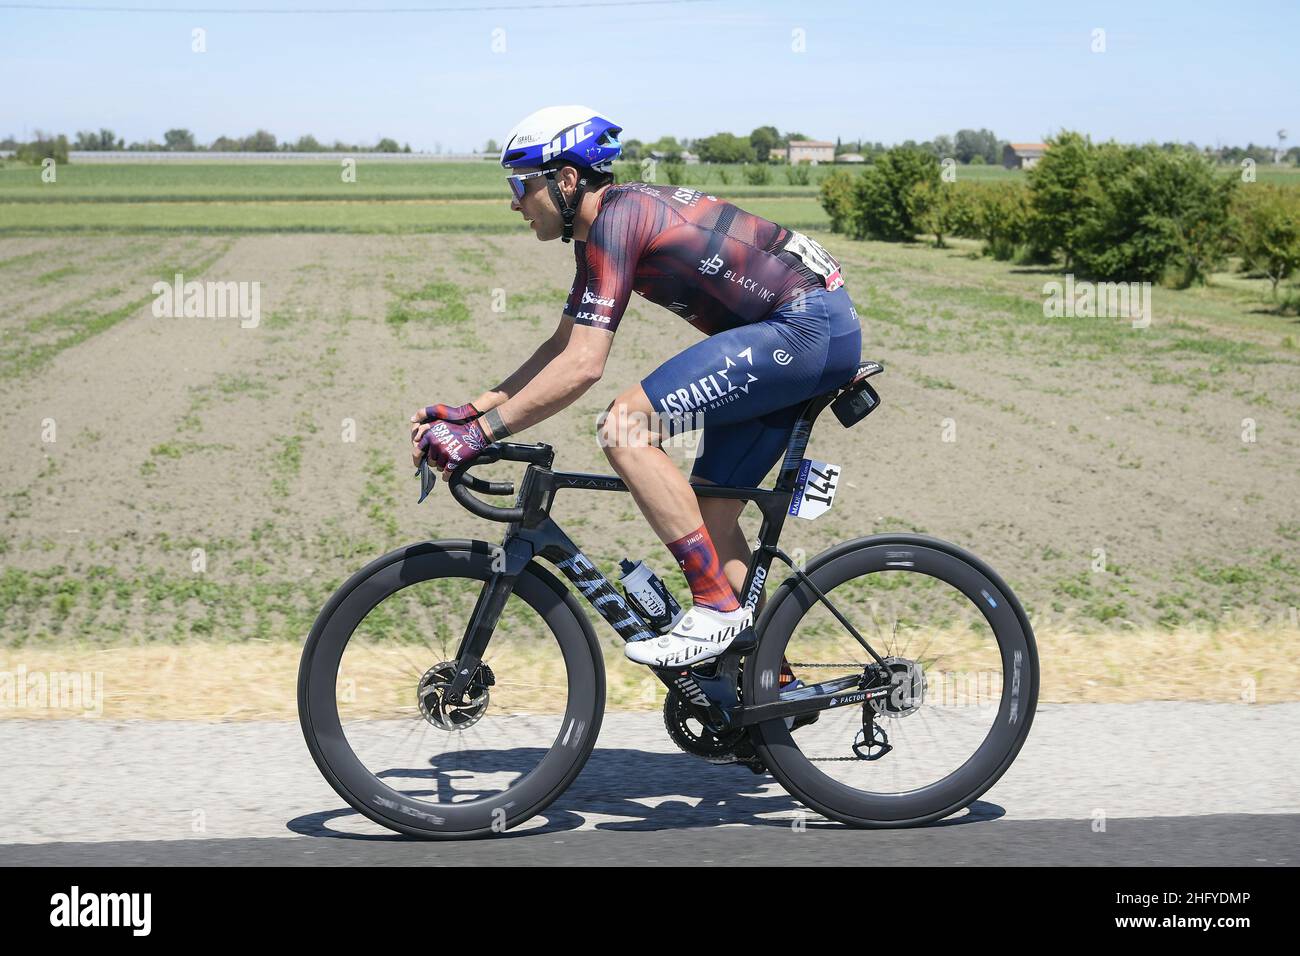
(1108, 211)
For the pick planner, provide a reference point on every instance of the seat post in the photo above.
(798, 443)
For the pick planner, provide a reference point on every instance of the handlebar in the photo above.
(462, 483)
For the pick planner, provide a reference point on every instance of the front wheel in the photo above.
(960, 660)
(400, 751)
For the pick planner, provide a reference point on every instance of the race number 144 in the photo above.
(815, 489)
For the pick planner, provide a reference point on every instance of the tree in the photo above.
(1061, 189)
(885, 206)
(259, 142)
(387, 145)
(944, 209)
(179, 140)
(838, 196)
(1267, 228)
(308, 144)
(970, 143)
(1153, 215)
(764, 140)
(1002, 217)
(44, 147)
(668, 146)
(102, 141)
(491, 147)
(725, 148)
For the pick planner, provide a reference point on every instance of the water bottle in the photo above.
(648, 596)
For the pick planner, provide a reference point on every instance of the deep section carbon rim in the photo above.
(398, 749)
(960, 665)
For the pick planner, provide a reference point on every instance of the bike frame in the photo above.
(533, 533)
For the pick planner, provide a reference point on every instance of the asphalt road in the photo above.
(1218, 840)
(1156, 783)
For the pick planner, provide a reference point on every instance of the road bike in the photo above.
(455, 688)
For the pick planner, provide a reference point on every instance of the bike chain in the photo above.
(829, 759)
(851, 666)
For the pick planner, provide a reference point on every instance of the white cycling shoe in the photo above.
(702, 634)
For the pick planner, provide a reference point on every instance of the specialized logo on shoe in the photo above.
(684, 656)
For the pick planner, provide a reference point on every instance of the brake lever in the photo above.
(428, 478)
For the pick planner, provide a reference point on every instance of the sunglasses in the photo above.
(517, 181)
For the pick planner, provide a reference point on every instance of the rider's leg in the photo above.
(741, 386)
(722, 518)
(630, 437)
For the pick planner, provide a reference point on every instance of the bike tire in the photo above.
(368, 794)
(858, 808)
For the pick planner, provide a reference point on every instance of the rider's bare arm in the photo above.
(545, 353)
(574, 369)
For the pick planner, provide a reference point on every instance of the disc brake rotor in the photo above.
(442, 713)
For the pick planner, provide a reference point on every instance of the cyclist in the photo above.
(779, 325)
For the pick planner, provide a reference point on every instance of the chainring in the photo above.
(694, 737)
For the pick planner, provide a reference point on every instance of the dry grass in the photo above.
(253, 681)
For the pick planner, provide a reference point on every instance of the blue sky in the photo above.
(1210, 73)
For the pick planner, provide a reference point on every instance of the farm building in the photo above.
(809, 151)
(685, 156)
(1022, 155)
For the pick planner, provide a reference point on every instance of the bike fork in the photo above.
(512, 558)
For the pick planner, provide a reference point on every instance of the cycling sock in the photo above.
(699, 562)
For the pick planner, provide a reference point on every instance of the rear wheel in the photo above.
(960, 661)
(373, 708)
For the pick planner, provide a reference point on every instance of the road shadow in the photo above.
(623, 790)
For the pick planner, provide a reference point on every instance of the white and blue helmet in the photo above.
(571, 134)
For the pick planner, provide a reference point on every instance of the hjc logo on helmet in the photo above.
(567, 140)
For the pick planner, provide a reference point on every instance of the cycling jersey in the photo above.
(701, 257)
(781, 327)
